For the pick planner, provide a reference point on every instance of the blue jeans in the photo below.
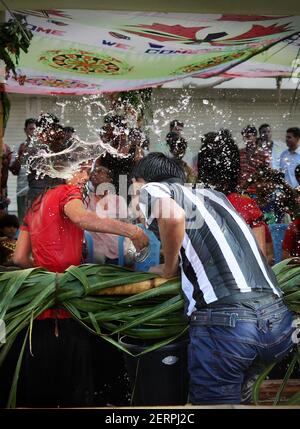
(226, 342)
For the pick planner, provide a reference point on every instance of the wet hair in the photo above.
(117, 120)
(47, 120)
(9, 220)
(288, 201)
(30, 121)
(176, 123)
(173, 138)
(219, 161)
(262, 126)
(157, 167)
(249, 129)
(269, 175)
(295, 131)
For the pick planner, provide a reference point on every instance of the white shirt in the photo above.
(288, 163)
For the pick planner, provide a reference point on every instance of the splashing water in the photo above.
(63, 164)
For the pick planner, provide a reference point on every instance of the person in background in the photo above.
(177, 149)
(138, 138)
(219, 168)
(252, 158)
(68, 136)
(297, 189)
(290, 158)
(6, 160)
(272, 148)
(116, 133)
(17, 168)
(104, 201)
(49, 136)
(237, 317)
(291, 240)
(176, 127)
(274, 196)
(9, 225)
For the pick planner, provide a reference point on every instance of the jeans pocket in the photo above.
(278, 316)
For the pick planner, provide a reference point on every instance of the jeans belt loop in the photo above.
(209, 322)
(233, 319)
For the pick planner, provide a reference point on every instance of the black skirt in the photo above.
(70, 367)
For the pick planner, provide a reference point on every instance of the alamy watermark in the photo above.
(296, 333)
(157, 201)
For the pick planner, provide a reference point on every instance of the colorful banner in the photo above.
(87, 52)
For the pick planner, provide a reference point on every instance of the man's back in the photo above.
(220, 256)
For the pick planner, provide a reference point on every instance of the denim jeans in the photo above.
(226, 342)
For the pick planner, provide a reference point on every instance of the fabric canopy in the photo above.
(88, 52)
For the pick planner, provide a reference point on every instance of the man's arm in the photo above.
(171, 223)
(22, 254)
(260, 235)
(89, 221)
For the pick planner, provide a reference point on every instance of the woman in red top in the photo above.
(219, 166)
(62, 370)
(291, 241)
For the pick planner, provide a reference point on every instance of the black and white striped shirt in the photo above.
(219, 254)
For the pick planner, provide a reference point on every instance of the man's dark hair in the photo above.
(9, 220)
(249, 129)
(176, 123)
(30, 121)
(69, 129)
(294, 130)
(262, 126)
(157, 167)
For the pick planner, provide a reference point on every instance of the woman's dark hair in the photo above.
(157, 167)
(297, 171)
(9, 220)
(219, 161)
(30, 121)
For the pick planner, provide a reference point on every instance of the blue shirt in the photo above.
(288, 163)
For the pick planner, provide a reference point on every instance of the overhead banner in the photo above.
(89, 52)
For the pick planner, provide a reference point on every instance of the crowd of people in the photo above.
(225, 269)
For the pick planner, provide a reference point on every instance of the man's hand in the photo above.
(164, 272)
(140, 239)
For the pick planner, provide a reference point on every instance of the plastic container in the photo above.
(277, 231)
(159, 377)
(154, 254)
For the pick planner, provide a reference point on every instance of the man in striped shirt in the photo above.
(237, 316)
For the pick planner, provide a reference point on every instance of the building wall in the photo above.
(200, 110)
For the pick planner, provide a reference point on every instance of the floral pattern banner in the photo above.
(88, 52)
